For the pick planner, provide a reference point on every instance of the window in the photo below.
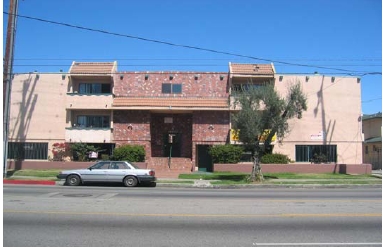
(171, 88)
(94, 88)
(93, 121)
(305, 153)
(27, 150)
(101, 166)
(237, 88)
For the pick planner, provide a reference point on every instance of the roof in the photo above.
(368, 117)
(171, 103)
(252, 69)
(93, 68)
(373, 140)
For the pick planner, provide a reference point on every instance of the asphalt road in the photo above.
(118, 216)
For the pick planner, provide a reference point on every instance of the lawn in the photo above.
(285, 178)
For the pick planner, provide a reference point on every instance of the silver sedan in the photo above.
(110, 171)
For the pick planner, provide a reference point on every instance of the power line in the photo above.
(184, 46)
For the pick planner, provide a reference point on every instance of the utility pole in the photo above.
(7, 75)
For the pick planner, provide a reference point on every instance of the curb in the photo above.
(39, 182)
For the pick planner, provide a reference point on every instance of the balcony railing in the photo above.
(85, 101)
(90, 135)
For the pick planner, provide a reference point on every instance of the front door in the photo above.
(205, 162)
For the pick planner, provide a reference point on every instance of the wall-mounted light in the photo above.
(221, 77)
(307, 78)
(195, 77)
(171, 76)
(358, 80)
(211, 127)
(106, 105)
(280, 78)
(63, 75)
(130, 127)
(37, 76)
(121, 76)
(146, 76)
(332, 79)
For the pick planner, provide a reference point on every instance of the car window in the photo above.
(117, 166)
(100, 166)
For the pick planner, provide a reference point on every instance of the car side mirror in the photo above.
(90, 168)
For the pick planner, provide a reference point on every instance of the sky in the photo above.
(331, 37)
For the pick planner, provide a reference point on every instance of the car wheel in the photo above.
(130, 181)
(73, 180)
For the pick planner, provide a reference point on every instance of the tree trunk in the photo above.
(256, 173)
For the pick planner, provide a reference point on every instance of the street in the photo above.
(118, 216)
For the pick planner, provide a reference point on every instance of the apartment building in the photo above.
(176, 116)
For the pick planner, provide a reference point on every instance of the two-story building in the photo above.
(176, 116)
(372, 146)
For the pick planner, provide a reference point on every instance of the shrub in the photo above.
(131, 153)
(275, 158)
(226, 154)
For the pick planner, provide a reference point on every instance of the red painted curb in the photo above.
(5, 181)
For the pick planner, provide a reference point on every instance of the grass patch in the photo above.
(35, 173)
(314, 176)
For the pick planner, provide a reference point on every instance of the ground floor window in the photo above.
(27, 150)
(313, 153)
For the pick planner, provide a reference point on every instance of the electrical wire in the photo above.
(352, 72)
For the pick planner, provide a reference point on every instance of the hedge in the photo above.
(226, 154)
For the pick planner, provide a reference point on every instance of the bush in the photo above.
(131, 153)
(226, 154)
(276, 158)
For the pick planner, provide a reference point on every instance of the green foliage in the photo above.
(131, 153)
(81, 151)
(319, 158)
(226, 154)
(275, 158)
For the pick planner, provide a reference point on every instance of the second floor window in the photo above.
(94, 88)
(93, 121)
(171, 88)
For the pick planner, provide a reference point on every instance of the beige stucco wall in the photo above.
(38, 107)
(332, 117)
(37, 110)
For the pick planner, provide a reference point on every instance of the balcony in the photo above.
(88, 135)
(88, 101)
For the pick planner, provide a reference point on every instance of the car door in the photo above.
(117, 171)
(98, 172)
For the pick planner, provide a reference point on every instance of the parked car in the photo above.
(110, 171)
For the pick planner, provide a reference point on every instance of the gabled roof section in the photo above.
(260, 70)
(93, 68)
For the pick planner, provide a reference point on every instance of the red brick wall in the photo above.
(45, 165)
(182, 124)
(207, 85)
(211, 126)
(132, 127)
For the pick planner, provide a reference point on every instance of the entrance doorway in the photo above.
(172, 144)
(205, 161)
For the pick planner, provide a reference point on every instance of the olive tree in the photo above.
(264, 113)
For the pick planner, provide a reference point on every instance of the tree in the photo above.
(263, 114)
